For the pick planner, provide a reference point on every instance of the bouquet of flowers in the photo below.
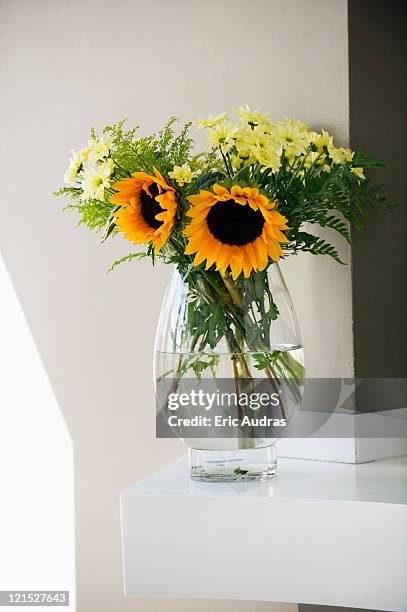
(223, 216)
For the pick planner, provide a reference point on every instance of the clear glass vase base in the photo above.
(233, 465)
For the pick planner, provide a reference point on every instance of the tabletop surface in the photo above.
(379, 481)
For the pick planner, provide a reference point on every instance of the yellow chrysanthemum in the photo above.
(222, 136)
(182, 174)
(323, 143)
(236, 228)
(211, 121)
(340, 155)
(359, 173)
(252, 117)
(258, 145)
(149, 207)
(292, 136)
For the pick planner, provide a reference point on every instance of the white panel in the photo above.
(36, 474)
(300, 537)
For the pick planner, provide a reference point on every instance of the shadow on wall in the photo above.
(378, 123)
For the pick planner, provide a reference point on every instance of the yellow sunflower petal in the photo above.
(161, 180)
(247, 264)
(203, 197)
(236, 261)
(199, 257)
(251, 255)
(220, 190)
(236, 190)
(261, 253)
(274, 250)
(214, 252)
(224, 258)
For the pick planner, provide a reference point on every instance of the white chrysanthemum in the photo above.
(106, 168)
(75, 163)
(182, 174)
(96, 179)
(98, 149)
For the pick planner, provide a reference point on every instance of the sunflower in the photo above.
(237, 228)
(149, 207)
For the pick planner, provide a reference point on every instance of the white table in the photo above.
(318, 533)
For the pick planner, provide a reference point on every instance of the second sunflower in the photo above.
(149, 208)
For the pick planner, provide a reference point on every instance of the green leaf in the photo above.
(207, 179)
(200, 365)
(110, 225)
(264, 360)
(239, 471)
(242, 176)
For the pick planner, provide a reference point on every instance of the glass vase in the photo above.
(213, 328)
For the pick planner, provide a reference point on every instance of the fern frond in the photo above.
(365, 160)
(316, 246)
(337, 225)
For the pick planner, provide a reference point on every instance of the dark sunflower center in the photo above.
(234, 224)
(150, 207)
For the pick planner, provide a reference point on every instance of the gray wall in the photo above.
(378, 124)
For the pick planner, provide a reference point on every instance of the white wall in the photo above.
(68, 65)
